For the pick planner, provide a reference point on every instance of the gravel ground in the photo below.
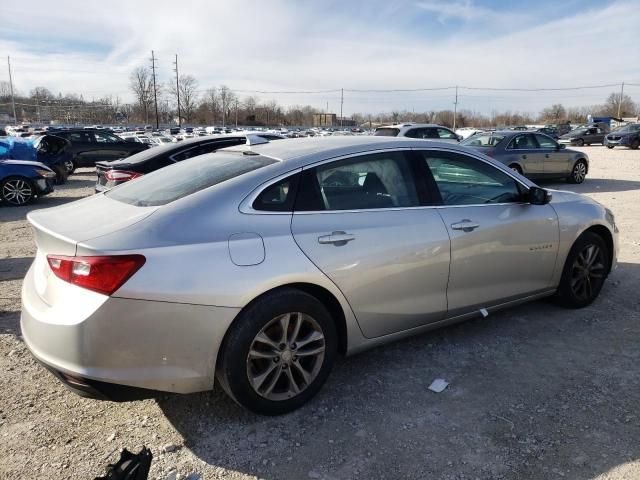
(535, 392)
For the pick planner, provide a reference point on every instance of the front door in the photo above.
(556, 160)
(361, 222)
(502, 248)
(524, 151)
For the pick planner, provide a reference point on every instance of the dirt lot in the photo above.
(536, 392)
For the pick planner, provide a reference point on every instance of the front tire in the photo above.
(580, 142)
(609, 147)
(578, 173)
(278, 353)
(585, 270)
(516, 168)
(635, 144)
(17, 191)
(70, 165)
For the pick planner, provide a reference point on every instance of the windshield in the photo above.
(189, 176)
(386, 132)
(483, 140)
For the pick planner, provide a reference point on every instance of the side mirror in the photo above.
(539, 196)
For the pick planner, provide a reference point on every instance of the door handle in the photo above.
(524, 157)
(465, 226)
(337, 238)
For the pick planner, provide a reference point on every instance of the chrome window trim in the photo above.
(246, 206)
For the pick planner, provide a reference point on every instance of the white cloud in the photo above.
(283, 45)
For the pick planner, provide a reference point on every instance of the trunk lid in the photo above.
(60, 229)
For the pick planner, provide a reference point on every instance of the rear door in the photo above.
(83, 146)
(502, 247)
(361, 220)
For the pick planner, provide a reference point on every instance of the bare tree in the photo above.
(141, 83)
(227, 98)
(627, 107)
(554, 113)
(212, 99)
(188, 88)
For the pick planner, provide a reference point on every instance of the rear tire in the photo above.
(578, 173)
(71, 166)
(278, 353)
(609, 147)
(585, 271)
(635, 144)
(17, 191)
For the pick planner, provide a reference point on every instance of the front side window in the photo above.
(444, 133)
(523, 142)
(102, 137)
(463, 180)
(546, 142)
(381, 180)
(80, 137)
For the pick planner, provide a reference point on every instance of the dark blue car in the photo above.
(21, 181)
(54, 152)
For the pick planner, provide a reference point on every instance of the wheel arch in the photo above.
(604, 233)
(324, 296)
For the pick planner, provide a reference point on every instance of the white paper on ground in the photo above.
(438, 385)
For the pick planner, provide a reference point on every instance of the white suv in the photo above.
(418, 130)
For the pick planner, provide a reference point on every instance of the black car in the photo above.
(89, 146)
(550, 131)
(119, 171)
(627, 136)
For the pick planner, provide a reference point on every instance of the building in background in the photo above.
(331, 120)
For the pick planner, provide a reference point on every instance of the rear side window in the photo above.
(382, 180)
(386, 132)
(185, 178)
(278, 197)
(448, 134)
(204, 148)
(80, 137)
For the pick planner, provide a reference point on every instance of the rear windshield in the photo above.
(177, 181)
(386, 132)
(482, 140)
(632, 127)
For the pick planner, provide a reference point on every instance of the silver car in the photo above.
(258, 264)
(535, 155)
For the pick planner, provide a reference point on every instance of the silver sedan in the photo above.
(258, 264)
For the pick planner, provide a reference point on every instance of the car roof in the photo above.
(411, 124)
(298, 152)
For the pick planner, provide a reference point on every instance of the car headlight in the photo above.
(46, 173)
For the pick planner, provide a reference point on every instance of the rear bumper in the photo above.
(135, 343)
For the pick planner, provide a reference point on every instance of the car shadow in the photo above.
(13, 214)
(534, 390)
(14, 268)
(592, 185)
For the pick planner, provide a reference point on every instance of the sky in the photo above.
(314, 46)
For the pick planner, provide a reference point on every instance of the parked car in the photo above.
(550, 131)
(89, 146)
(532, 154)
(418, 130)
(47, 149)
(111, 174)
(627, 136)
(583, 136)
(21, 181)
(258, 264)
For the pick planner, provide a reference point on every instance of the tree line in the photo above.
(220, 105)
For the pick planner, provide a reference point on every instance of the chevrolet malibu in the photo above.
(257, 264)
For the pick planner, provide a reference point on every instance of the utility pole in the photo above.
(155, 91)
(13, 100)
(224, 109)
(236, 113)
(621, 96)
(178, 91)
(455, 110)
(341, 102)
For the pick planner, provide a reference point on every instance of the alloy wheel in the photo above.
(579, 172)
(17, 191)
(587, 271)
(286, 356)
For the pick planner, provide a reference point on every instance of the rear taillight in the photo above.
(104, 274)
(121, 175)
